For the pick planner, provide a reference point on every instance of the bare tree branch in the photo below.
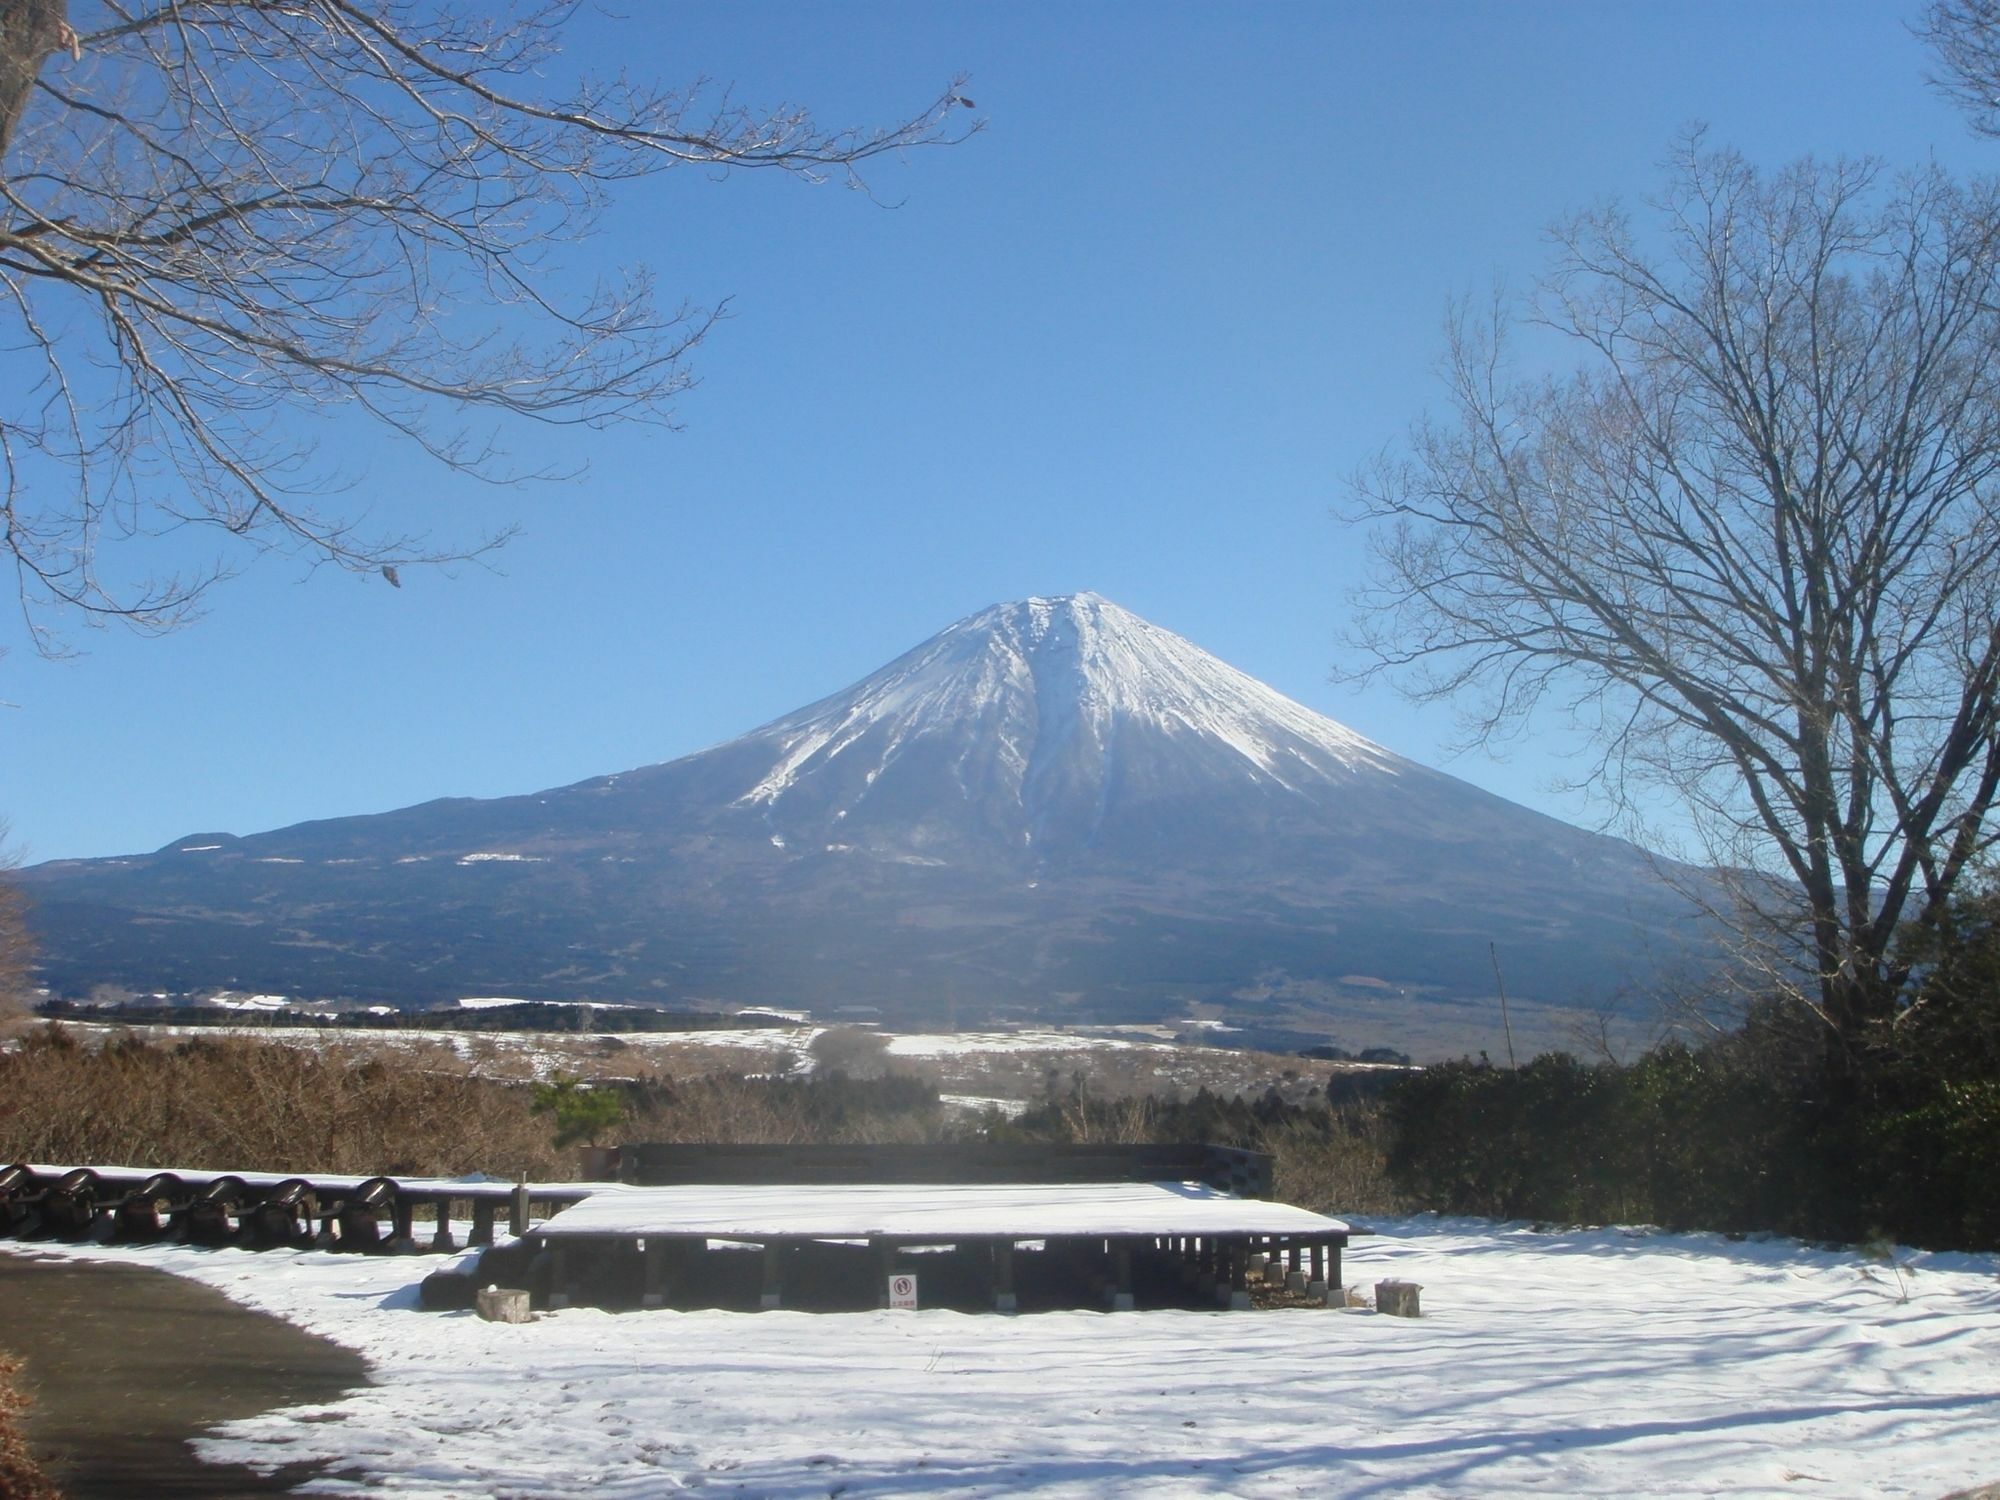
(228, 227)
(1750, 543)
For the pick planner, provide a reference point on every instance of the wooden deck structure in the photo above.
(817, 1227)
(975, 1225)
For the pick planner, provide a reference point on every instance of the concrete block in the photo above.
(504, 1304)
(1397, 1298)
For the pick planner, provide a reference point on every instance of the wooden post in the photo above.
(402, 1218)
(883, 1256)
(558, 1277)
(773, 1293)
(518, 1221)
(1316, 1287)
(1121, 1277)
(1003, 1277)
(441, 1241)
(1333, 1281)
(653, 1287)
(1238, 1299)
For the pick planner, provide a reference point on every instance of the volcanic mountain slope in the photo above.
(1051, 808)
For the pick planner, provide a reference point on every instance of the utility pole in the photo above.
(1505, 1024)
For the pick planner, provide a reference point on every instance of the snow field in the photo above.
(1597, 1362)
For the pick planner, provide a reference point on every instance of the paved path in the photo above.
(125, 1364)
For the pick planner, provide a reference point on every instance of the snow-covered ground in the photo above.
(1593, 1363)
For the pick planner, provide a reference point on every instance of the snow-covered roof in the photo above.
(944, 1212)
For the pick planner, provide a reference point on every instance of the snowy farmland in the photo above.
(1594, 1362)
(1003, 1069)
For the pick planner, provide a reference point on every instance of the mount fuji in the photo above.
(1051, 810)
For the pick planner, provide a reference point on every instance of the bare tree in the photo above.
(1751, 542)
(229, 226)
(1966, 37)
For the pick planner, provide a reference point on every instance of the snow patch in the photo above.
(249, 1002)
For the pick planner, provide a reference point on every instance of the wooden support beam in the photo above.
(442, 1242)
(1236, 1295)
(653, 1283)
(1003, 1277)
(402, 1218)
(559, 1287)
(773, 1293)
(1121, 1277)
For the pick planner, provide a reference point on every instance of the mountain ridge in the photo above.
(1051, 809)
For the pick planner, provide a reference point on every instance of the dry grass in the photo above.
(1340, 1169)
(21, 1478)
(327, 1103)
(235, 1103)
(239, 1103)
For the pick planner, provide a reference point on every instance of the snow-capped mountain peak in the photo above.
(1047, 688)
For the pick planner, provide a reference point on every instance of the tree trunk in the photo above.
(29, 31)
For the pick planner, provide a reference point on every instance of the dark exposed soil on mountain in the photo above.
(125, 1364)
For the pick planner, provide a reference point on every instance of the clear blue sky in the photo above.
(1132, 339)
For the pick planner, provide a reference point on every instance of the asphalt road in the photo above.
(125, 1364)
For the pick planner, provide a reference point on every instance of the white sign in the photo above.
(903, 1291)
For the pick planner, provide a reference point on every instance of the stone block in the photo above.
(504, 1304)
(1397, 1298)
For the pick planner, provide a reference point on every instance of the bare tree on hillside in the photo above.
(1751, 541)
(225, 222)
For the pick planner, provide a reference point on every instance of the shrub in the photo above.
(582, 1113)
(21, 1478)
